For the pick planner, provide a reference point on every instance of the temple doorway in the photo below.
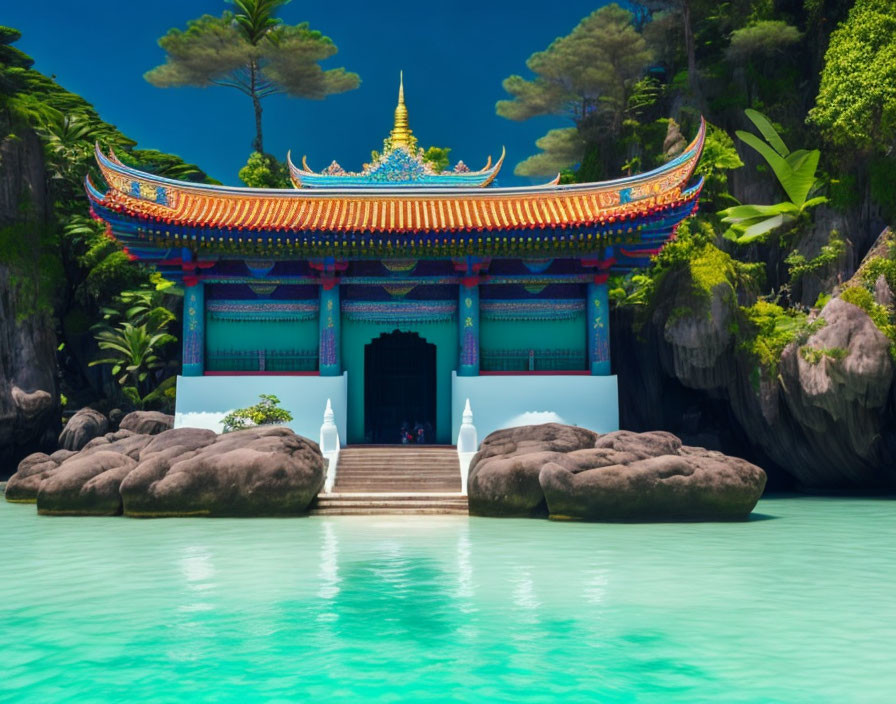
(399, 389)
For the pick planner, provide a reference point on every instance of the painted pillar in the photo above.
(468, 330)
(329, 356)
(598, 327)
(194, 329)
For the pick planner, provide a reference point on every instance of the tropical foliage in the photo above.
(796, 173)
(856, 103)
(73, 272)
(253, 52)
(589, 76)
(264, 171)
(134, 339)
(266, 412)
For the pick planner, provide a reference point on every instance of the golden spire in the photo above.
(401, 135)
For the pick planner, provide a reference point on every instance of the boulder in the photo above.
(697, 485)
(23, 486)
(81, 428)
(620, 476)
(267, 471)
(67, 490)
(503, 479)
(177, 442)
(147, 422)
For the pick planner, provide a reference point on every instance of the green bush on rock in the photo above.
(767, 329)
(265, 412)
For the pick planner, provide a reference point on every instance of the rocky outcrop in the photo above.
(571, 473)
(147, 422)
(503, 479)
(823, 414)
(29, 400)
(256, 472)
(81, 428)
(72, 488)
(840, 399)
(268, 471)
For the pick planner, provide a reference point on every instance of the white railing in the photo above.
(329, 446)
(467, 445)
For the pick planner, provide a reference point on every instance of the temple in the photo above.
(398, 291)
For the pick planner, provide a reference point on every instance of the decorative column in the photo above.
(468, 328)
(194, 328)
(598, 306)
(329, 357)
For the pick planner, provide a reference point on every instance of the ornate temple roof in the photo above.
(153, 216)
(157, 199)
(401, 164)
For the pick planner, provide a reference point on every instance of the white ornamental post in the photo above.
(467, 445)
(329, 445)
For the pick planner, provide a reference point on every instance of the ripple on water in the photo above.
(795, 609)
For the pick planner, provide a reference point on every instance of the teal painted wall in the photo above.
(496, 335)
(261, 334)
(356, 334)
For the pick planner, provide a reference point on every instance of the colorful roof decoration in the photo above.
(149, 213)
(400, 164)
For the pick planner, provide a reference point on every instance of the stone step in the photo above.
(407, 466)
(404, 474)
(397, 495)
(342, 479)
(390, 503)
(391, 511)
(398, 460)
(386, 503)
(398, 456)
(393, 488)
(389, 469)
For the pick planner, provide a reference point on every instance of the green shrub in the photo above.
(880, 315)
(814, 355)
(768, 328)
(877, 266)
(265, 412)
(830, 254)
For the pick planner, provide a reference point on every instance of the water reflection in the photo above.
(437, 610)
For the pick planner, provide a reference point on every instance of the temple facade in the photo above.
(397, 292)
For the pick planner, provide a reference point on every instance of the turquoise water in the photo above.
(798, 607)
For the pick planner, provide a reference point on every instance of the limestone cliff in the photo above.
(821, 410)
(29, 400)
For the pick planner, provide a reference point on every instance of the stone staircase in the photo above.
(395, 479)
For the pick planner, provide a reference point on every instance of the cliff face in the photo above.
(29, 400)
(823, 418)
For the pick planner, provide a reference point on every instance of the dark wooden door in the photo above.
(399, 387)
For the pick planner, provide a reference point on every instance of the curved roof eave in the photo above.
(112, 164)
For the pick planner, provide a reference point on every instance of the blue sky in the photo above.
(454, 55)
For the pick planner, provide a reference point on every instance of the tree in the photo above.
(718, 158)
(683, 9)
(795, 172)
(266, 412)
(763, 39)
(133, 351)
(437, 157)
(264, 171)
(856, 103)
(255, 53)
(559, 149)
(588, 75)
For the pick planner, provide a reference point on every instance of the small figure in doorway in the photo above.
(419, 433)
